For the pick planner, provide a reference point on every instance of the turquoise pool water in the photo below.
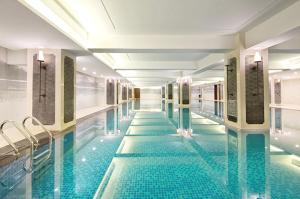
(150, 153)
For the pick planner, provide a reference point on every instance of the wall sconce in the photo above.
(41, 59)
(226, 62)
(257, 57)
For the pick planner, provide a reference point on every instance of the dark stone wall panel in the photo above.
(170, 91)
(277, 92)
(124, 93)
(185, 93)
(110, 92)
(137, 93)
(43, 90)
(130, 92)
(68, 89)
(254, 91)
(232, 90)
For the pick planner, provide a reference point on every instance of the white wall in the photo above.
(290, 92)
(13, 82)
(150, 93)
(150, 98)
(208, 92)
(90, 91)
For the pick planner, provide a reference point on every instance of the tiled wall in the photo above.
(12, 89)
(89, 91)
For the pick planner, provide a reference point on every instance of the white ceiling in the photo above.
(184, 17)
(284, 61)
(166, 56)
(100, 19)
(21, 29)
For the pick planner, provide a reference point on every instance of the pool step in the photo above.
(16, 178)
(46, 152)
(41, 169)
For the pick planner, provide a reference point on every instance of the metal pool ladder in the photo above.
(13, 145)
(44, 156)
(4, 182)
(35, 160)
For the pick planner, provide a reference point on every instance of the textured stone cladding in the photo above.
(163, 92)
(130, 92)
(185, 93)
(254, 91)
(110, 91)
(124, 93)
(170, 91)
(232, 91)
(277, 92)
(43, 95)
(68, 89)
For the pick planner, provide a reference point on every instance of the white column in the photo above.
(250, 85)
(59, 63)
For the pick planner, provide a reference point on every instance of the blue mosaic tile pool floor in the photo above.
(144, 155)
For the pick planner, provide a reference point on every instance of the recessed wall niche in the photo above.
(170, 91)
(232, 90)
(43, 89)
(254, 91)
(124, 93)
(277, 91)
(110, 91)
(185, 93)
(129, 92)
(68, 89)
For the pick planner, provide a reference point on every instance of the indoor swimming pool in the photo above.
(158, 150)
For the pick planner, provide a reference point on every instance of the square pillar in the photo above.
(246, 89)
(51, 87)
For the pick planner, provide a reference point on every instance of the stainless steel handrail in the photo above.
(27, 136)
(33, 136)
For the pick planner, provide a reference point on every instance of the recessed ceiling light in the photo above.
(84, 68)
(297, 145)
(83, 159)
(94, 73)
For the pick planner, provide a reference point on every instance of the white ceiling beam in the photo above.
(210, 60)
(165, 44)
(281, 27)
(180, 65)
